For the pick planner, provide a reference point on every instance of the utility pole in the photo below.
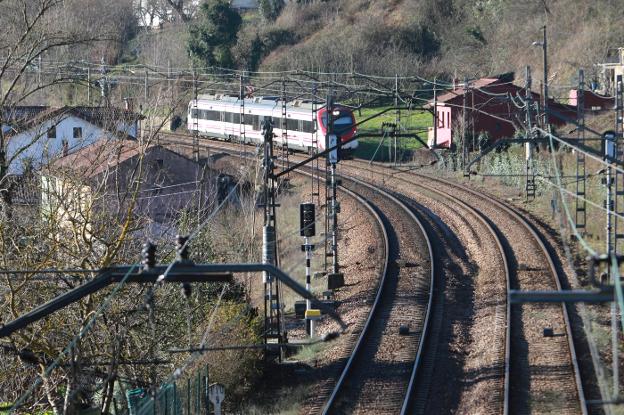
(307, 230)
(581, 175)
(544, 45)
(530, 177)
(618, 147)
(195, 120)
(272, 305)
(463, 129)
(335, 279)
(241, 120)
(316, 174)
(435, 112)
(397, 114)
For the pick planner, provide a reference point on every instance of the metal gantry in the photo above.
(529, 187)
(272, 304)
(284, 156)
(316, 174)
(580, 220)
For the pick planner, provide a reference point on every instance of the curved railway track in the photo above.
(380, 373)
(544, 373)
(540, 373)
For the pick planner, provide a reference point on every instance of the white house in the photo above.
(36, 135)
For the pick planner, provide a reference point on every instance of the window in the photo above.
(236, 118)
(77, 132)
(228, 117)
(52, 132)
(307, 126)
(194, 112)
(248, 119)
(213, 116)
(292, 125)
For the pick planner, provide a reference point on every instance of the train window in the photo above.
(213, 115)
(228, 117)
(256, 122)
(292, 125)
(307, 126)
(194, 113)
(343, 120)
(235, 118)
(249, 119)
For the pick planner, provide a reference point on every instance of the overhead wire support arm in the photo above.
(211, 273)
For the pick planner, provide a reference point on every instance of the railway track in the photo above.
(380, 373)
(544, 373)
(382, 369)
(541, 373)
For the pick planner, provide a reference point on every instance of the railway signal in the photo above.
(307, 230)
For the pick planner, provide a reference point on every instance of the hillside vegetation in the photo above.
(429, 37)
(452, 38)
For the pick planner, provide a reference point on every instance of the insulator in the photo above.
(148, 255)
(182, 247)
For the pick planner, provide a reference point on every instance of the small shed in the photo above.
(490, 106)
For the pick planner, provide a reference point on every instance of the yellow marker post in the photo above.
(312, 315)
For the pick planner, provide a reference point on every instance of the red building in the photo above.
(592, 101)
(492, 105)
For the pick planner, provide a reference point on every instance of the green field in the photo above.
(413, 122)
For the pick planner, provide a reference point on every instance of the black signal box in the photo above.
(307, 219)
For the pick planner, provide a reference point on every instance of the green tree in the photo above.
(270, 9)
(213, 35)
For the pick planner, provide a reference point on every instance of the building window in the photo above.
(52, 132)
(77, 132)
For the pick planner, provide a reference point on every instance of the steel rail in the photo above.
(348, 367)
(538, 238)
(331, 400)
(504, 257)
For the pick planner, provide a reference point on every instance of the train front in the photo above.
(342, 125)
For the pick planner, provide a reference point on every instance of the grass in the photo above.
(414, 122)
(309, 353)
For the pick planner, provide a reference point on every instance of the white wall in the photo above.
(41, 149)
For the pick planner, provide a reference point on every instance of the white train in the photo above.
(220, 117)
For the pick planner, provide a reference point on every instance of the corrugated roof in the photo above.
(460, 90)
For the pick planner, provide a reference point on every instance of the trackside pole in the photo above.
(307, 230)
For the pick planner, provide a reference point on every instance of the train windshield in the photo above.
(343, 121)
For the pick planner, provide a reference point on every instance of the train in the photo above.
(219, 116)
